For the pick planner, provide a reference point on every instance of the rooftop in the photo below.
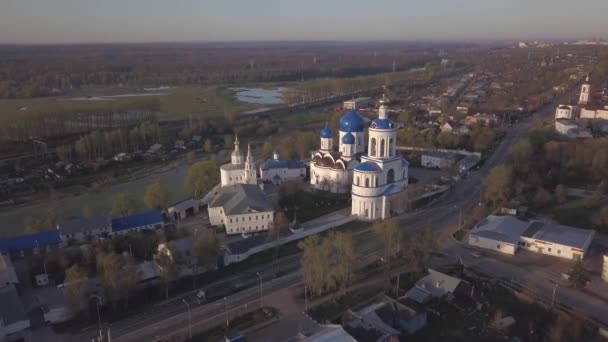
(558, 234)
(85, 224)
(287, 328)
(185, 205)
(240, 199)
(29, 242)
(243, 245)
(501, 228)
(137, 220)
(435, 284)
(11, 310)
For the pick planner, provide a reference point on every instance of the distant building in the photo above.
(184, 209)
(239, 170)
(564, 112)
(506, 234)
(7, 272)
(359, 102)
(440, 160)
(435, 285)
(481, 119)
(138, 222)
(81, 230)
(455, 128)
(279, 171)
(241, 208)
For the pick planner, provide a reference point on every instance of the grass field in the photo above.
(179, 103)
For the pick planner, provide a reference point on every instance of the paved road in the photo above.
(443, 217)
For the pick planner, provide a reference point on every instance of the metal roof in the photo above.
(241, 199)
(326, 132)
(382, 124)
(85, 224)
(29, 242)
(11, 310)
(137, 220)
(185, 205)
(500, 228)
(368, 167)
(561, 235)
(243, 245)
(352, 121)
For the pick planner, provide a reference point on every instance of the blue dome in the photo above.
(326, 132)
(382, 124)
(368, 167)
(348, 138)
(353, 121)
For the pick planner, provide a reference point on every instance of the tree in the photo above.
(578, 275)
(345, 255)
(267, 150)
(601, 217)
(561, 193)
(202, 177)
(108, 269)
(75, 287)
(130, 276)
(207, 248)
(167, 271)
(565, 329)
(542, 197)
(389, 236)
(315, 266)
(123, 204)
(498, 185)
(33, 225)
(208, 146)
(157, 196)
(279, 226)
(521, 156)
(191, 157)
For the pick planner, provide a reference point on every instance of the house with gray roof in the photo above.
(434, 285)
(498, 233)
(241, 208)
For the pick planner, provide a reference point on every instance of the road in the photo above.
(164, 320)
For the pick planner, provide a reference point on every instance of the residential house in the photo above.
(8, 276)
(481, 119)
(454, 128)
(435, 285)
(13, 316)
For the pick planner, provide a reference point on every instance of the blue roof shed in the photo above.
(149, 218)
(29, 242)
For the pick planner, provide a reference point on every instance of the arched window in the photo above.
(367, 182)
(390, 147)
(382, 148)
(376, 182)
(390, 176)
(403, 174)
(372, 148)
(357, 182)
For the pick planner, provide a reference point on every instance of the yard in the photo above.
(310, 205)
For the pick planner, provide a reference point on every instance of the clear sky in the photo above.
(73, 21)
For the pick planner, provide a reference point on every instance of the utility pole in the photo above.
(305, 300)
(189, 318)
(99, 319)
(553, 297)
(226, 312)
(43, 259)
(261, 287)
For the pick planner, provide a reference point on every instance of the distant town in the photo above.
(297, 192)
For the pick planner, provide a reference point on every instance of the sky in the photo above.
(94, 21)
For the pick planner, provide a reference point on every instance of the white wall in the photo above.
(339, 180)
(248, 223)
(16, 327)
(285, 174)
(216, 215)
(57, 315)
(552, 249)
(498, 246)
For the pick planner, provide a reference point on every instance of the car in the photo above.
(201, 295)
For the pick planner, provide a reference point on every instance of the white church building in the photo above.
(332, 170)
(573, 120)
(381, 179)
(239, 171)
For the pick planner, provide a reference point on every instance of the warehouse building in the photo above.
(506, 234)
(557, 240)
(498, 233)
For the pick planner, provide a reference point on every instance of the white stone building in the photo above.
(239, 171)
(332, 170)
(564, 112)
(241, 208)
(279, 171)
(359, 102)
(498, 233)
(583, 97)
(380, 180)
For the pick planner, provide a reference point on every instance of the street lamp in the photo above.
(43, 260)
(459, 216)
(99, 317)
(553, 297)
(226, 312)
(189, 318)
(305, 300)
(261, 287)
